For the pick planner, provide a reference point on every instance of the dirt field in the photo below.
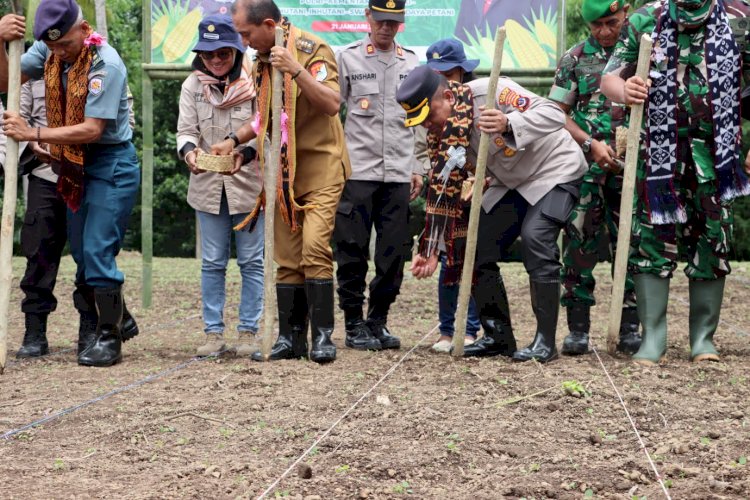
(434, 428)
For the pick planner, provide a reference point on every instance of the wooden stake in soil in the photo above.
(15, 50)
(269, 185)
(464, 289)
(626, 203)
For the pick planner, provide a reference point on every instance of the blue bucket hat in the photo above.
(444, 55)
(216, 32)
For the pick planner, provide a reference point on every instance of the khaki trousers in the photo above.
(306, 253)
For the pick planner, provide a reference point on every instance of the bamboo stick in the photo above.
(626, 203)
(467, 273)
(269, 185)
(15, 50)
(147, 171)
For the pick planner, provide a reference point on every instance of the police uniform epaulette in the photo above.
(406, 49)
(353, 45)
(306, 45)
(96, 58)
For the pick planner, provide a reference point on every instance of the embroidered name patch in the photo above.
(96, 85)
(509, 97)
(319, 71)
(355, 77)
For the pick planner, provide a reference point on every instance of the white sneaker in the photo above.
(442, 346)
(469, 340)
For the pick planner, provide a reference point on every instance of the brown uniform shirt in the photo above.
(322, 159)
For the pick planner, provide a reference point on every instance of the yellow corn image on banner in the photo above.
(531, 26)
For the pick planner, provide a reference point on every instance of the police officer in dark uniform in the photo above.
(90, 145)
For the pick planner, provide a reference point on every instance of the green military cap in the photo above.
(387, 10)
(594, 9)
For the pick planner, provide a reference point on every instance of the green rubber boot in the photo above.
(653, 295)
(705, 306)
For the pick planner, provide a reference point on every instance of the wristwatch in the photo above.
(235, 139)
(586, 146)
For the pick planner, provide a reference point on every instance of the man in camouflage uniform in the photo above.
(592, 122)
(690, 167)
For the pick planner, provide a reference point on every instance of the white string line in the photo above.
(347, 412)
(632, 424)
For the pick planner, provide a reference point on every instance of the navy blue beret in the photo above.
(54, 18)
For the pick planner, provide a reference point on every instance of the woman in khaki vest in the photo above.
(217, 98)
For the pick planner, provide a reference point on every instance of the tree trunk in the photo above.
(101, 17)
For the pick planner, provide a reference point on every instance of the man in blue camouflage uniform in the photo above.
(690, 167)
(592, 122)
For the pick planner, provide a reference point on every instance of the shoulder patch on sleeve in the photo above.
(96, 85)
(319, 70)
(509, 97)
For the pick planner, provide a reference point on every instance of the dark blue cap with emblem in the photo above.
(415, 94)
(444, 55)
(54, 18)
(216, 32)
(387, 10)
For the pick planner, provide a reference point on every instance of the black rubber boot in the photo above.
(579, 324)
(377, 319)
(545, 301)
(129, 326)
(291, 302)
(320, 301)
(35, 338)
(494, 313)
(358, 334)
(106, 350)
(630, 337)
(83, 300)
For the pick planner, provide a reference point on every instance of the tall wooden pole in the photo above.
(15, 50)
(147, 171)
(270, 174)
(467, 273)
(626, 203)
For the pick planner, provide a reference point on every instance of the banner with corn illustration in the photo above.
(531, 26)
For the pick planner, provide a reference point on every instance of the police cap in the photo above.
(388, 10)
(415, 94)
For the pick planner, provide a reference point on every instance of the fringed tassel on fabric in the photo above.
(249, 222)
(733, 183)
(70, 185)
(664, 206)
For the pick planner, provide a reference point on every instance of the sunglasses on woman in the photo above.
(222, 54)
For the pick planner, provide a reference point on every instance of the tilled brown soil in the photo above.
(435, 427)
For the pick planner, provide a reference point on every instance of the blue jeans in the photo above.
(216, 238)
(447, 304)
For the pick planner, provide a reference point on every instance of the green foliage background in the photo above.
(174, 220)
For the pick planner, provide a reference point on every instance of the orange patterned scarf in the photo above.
(288, 207)
(66, 108)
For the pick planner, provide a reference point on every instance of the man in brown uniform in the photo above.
(315, 165)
